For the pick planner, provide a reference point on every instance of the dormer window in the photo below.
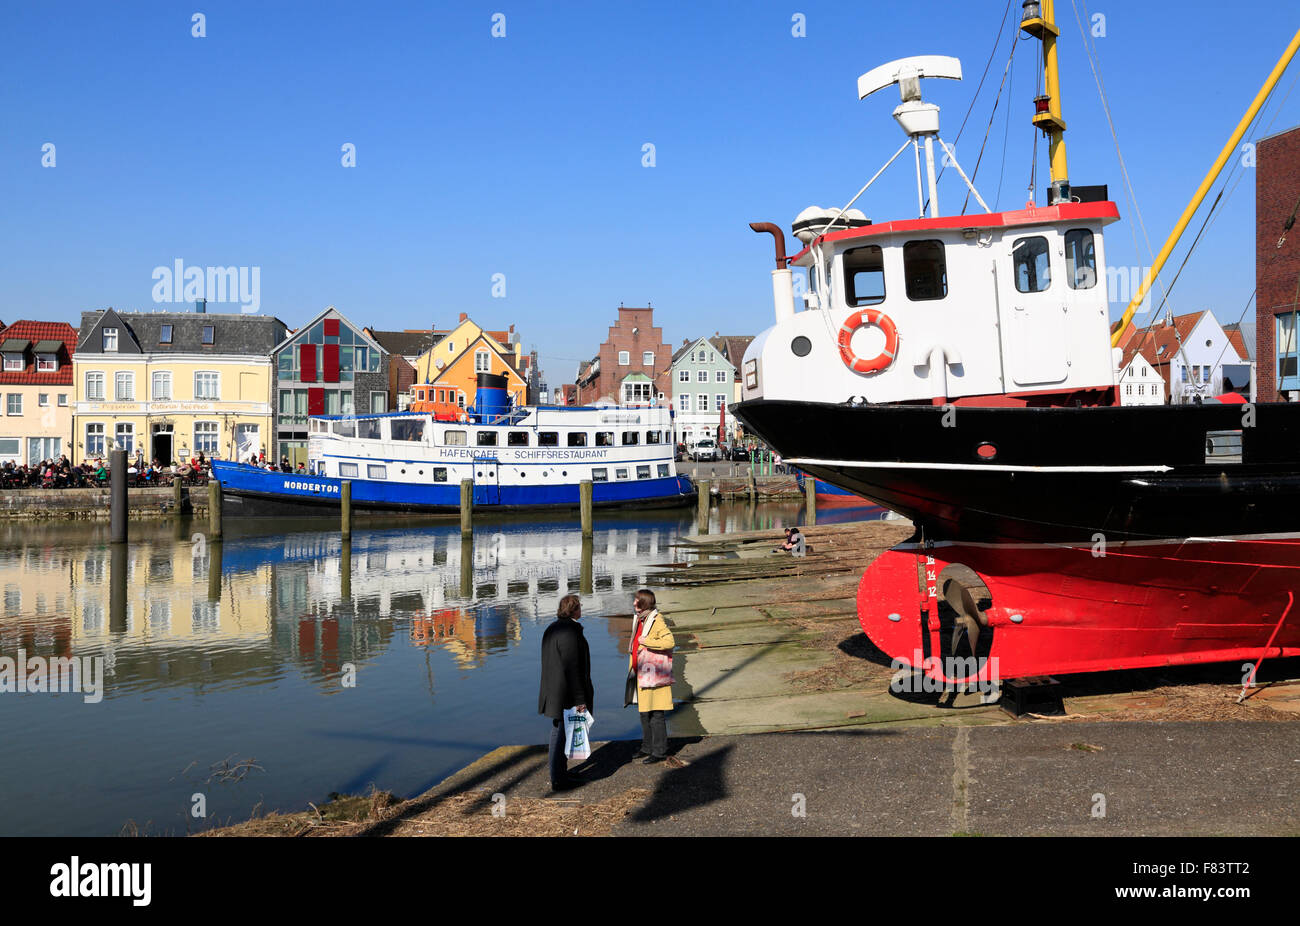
(110, 340)
(209, 334)
(165, 334)
(14, 363)
(47, 363)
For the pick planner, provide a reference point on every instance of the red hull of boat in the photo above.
(1065, 609)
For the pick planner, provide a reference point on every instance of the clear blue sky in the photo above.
(522, 155)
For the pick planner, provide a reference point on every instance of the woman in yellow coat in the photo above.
(651, 661)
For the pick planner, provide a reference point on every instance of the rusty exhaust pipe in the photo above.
(778, 236)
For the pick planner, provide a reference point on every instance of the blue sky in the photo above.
(523, 155)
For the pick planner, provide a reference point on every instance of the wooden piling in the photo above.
(345, 507)
(585, 567)
(466, 566)
(586, 494)
(214, 509)
(178, 498)
(466, 507)
(214, 571)
(345, 570)
(117, 496)
(702, 515)
(810, 500)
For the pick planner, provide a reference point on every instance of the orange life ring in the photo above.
(856, 321)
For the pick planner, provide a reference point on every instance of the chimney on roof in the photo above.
(464, 316)
(201, 306)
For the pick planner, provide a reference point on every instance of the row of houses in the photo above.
(1185, 359)
(172, 385)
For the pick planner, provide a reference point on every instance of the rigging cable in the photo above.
(993, 115)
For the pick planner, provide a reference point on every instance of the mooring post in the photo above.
(466, 566)
(214, 509)
(703, 513)
(753, 486)
(466, 507)
(118, 565)
(345, 499)
(214, 571)
(586, 493)
(810, 498)
(584, 568)
(345, 570)
(117, 496)
(178, 498)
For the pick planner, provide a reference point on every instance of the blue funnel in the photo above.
(491, 400)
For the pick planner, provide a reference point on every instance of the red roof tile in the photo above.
(41, 331)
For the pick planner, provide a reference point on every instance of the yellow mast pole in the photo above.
(1228, 151)
(1039, 20)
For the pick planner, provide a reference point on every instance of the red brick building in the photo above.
(633, 365)
(1277, 270)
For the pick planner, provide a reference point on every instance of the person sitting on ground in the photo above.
(798, 546)
(785, 546)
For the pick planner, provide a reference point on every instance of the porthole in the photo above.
(986, 452)
(801, 346)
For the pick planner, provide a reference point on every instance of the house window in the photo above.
(209, 334)
(636, 393)
(864, 275)
(162, 386)
(719, 402)
(207, 385)
(14, 403)
(1033, 268)
(684, 402)
(1141, 389)
(205, 436)
(165, 334)
(110, 340)
(925, 270)
(1205, 373)
(63, 400)
(14, 363)
(1286, 350)
(482, 362)
(124, 438)
(124, 387)
(46, 363)
(1080, 259)
(378, 403)
(43, 399)
(648, 358)
(94, 440)
(702, 402)
(702, 376)
(683, 376)
(721, 376)
(624, 358)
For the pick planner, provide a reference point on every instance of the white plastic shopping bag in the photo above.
(577, 737)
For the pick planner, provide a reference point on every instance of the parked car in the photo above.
(740, 452)
(705, 450)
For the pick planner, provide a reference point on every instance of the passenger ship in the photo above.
(958, 369)
(515, 457)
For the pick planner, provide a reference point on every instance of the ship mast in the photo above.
(1039, 20)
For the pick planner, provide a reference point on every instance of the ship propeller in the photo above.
(969, 616)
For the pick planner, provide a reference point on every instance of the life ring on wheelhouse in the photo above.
(883, 359)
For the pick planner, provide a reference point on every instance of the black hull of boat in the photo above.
(1055, 474)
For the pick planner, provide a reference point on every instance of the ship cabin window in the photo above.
(654, 437)
(1080, 259)
(368, 428)
(577, 438)
(377, 471)
(548, 438)
(347, 470)
(453, 438)
(925, 270)
(1033, 268)
(643, 472)
(516, 438)
(631, 437)
(663, 470)
(407, 428)
(440, 474)
(620, 473)
(604, 438)
(864, 275)
(346, 428)
(487, 438)
(600, 474)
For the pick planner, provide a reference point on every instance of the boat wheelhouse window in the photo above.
(663, 470)
(604, 438)
(631, 437)
(1080, 259)
(1033, 268)
(440, 474)
(487, 438)
(348, 469)
(864, 275)
(377, 471)
(600, 475)
(368, 428)
(453, 438)
(643, 472)
(346, 428)
(620, 473)
(516, 438)
(577, 438)
(407, 428)
(548, 438)
(654, 437)
(925, 270)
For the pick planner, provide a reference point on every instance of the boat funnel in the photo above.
(491, 400)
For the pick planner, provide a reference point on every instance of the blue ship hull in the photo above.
(255, 492)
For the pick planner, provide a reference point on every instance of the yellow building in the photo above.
(171, 385)
(35, 391)
(451, 366)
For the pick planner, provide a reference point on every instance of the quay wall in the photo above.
(94, 504)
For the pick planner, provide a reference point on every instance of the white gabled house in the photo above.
(1138, 382)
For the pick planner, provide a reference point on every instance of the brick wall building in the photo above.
(633, 361)
(1277, 271)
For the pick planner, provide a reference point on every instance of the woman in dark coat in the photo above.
(566, 681)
